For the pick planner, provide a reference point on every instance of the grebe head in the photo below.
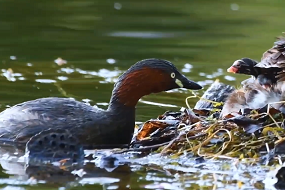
(243, 66)
(149, 76)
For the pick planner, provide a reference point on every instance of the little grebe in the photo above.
(257, 96)
(253, 96)
(234, 104)
(247, 66)
(94, 127)
(273, 60)
(244, 66)
(271, 68)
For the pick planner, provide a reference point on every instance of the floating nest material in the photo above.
(200, 131)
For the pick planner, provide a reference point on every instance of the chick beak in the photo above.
(232, 69)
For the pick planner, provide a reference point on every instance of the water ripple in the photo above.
(150, 34)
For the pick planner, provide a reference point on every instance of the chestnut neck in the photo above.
(136, 82)
(131, 86)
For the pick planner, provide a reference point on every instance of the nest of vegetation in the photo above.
(200, 131)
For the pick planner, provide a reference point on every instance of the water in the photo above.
(101, 39)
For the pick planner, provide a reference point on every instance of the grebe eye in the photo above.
(172, 75)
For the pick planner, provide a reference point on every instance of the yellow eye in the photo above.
(172, 75)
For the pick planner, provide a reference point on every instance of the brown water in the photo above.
(101, 39)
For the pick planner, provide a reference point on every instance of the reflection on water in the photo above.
(78, 48)
(143, 34)
(114, 171)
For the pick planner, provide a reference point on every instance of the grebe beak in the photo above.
(184, 82)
